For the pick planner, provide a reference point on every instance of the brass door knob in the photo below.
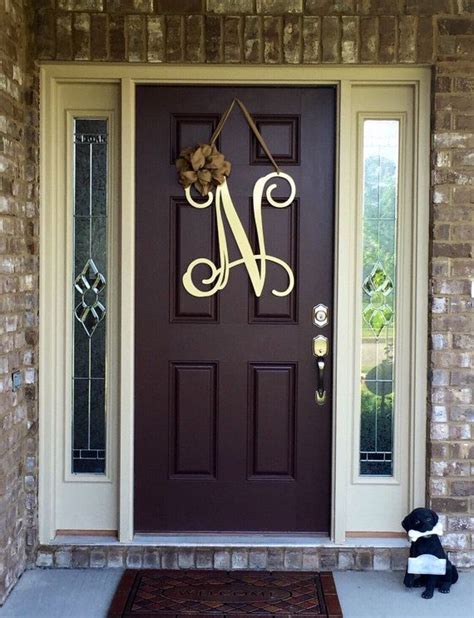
(320, 351)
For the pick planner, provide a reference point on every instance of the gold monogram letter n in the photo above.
(255, 263)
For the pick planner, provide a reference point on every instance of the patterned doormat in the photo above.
(149, 593)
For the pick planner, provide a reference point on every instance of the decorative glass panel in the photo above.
(90, 298)
(380, 197)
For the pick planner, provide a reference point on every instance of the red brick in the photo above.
(369, 38)
(136, 38)
(253, 39)
(453, 213)
(311, 39)
(194, 48)
(230, 6)
(464, 84)
(463, 268)
(350, 40)
(462, 488)
(439, 450)
(213, 39)
(81, 36)
(463, 341)
(443, 83)
(464, 122)
(454, 102)
(380, 7)
(465, 47)
(45, 34)
(232, 39)
(456, 26)
(449, 505)
(460, 523)
(331, 36)
(99, 36)
(292, 39)
(18, 281)
(462, 450)
(463, 232)
(179, 7)
(329, 7)
(279, 7)
(117, 38)
(156, 38)
(452, 250)
(442, 121)
(407, 25)
(272, 39)
(463, 195)
(64, 37)
(80, 5)
(174, 38)
(387, 38)
(130, 6)
(428, 7)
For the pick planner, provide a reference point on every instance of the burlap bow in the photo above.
(202, 166)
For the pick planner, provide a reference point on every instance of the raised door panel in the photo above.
(282, 136)
(193, 420)
(272, 419)
(281, 227)
(192, 235)
(190, 129)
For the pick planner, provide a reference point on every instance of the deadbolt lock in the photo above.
(320, 315)
(320, 346)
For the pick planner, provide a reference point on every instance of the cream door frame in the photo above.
(128, 76)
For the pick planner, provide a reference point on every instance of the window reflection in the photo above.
(380, 197)
(89, 285)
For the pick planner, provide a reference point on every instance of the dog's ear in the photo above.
(435, 517)
(406, 523)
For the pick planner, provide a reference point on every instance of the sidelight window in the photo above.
(380, 160)
(90, 295)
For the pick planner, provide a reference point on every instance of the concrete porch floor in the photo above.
(371, 594)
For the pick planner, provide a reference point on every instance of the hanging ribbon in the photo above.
(203, 166)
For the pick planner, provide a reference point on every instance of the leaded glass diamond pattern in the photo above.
(378, 286)
(90, 283)
(378, 281)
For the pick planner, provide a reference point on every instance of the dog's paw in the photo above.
(418, 583)
(427, 594)
(445, 588)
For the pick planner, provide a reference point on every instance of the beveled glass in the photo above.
(378, 290)
(90, 295)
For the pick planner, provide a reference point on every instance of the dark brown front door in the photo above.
(228, 436)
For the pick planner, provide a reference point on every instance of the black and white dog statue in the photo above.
(427, 556)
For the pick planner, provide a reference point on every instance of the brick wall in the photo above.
(450, 448)
(18, 292)
(436, 32)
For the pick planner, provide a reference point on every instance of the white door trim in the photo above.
(128, 76)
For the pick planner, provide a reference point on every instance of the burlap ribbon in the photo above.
(204, 166)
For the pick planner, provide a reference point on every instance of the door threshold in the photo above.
(210, 541)
(231, 540)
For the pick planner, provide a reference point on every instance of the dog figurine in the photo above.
(423, 529)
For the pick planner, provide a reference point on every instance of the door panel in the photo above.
(192, 445)
(272, 419)
(228, 435)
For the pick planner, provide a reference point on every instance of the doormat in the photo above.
(148, 593)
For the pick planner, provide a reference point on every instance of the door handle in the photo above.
(320, 351)
(320, 394)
